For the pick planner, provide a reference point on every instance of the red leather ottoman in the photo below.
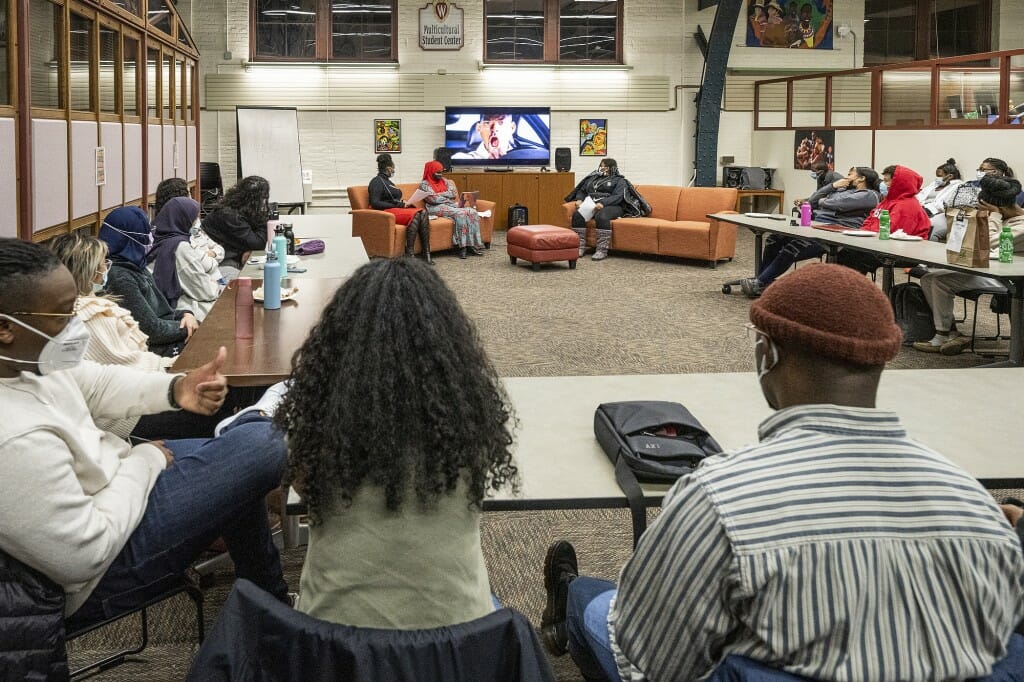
(538, 244)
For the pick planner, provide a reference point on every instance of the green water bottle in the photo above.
(883, 224)
(1006, 244)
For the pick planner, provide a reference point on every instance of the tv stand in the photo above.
(542, 193)
(498, 169)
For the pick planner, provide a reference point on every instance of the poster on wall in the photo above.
(593, 137)
(387, 135)
(797, 24)
(813, 145)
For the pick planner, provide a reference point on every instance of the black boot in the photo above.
(410, 237)
(462, 252)
(423, 227)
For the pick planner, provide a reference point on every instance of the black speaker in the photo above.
(444, 156)
(563, 159)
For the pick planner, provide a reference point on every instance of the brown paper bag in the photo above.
(967, 239)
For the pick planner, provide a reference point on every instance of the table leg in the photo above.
(831, 253)
(758, 247)
(888, 275)
(1016, 358)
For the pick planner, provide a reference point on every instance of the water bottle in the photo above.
(289, 235)
(243, 308)
(805, 214)
(883, 224)
(1006, 244)
(272, 221)
(272, 282)
(280, 249)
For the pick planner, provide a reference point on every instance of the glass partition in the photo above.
(178, 99)
(5, 77)
(968, 97)
(771, 105)
(1016, 111)
(46, 22)
(129, 76)
(906, 98)
(808, 102)
(851, 100)
(152, 74)
(108, 64)
(80, 77)
(186, 92)
(166, 85)
(159, 16)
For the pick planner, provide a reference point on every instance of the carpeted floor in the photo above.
(625, 315)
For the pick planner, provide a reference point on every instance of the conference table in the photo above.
(891, 251)
(562, 466)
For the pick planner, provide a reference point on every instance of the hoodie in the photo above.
(905, 211)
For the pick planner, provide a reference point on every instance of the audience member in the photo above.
(167, 190)
(845, 202)
(107, 521)
(607, 188)
(937, 195)
(189, 278)
(444, 202)
(839, 547)
(822, 176)
(999, 198)
(385, 196)
(238, 222)
(127, 234)
(996, 168)
(394, 461)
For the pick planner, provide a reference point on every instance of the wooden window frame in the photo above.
(323, 48)
(922, 33)
(552, 35)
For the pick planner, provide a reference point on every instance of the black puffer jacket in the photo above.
(32, 627)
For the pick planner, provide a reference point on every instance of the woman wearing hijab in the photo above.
(443, 202)
(126, 233)
(386, 196)
(187, 277)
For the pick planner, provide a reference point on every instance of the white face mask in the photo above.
(63, 351)
(980, 174)
(97, 288)
(134, 237)
(814, 175)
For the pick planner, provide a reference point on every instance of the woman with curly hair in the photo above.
(394, 450)
(239, 222)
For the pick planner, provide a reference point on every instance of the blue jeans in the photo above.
(587, 625)
(214, 488)
(780, 253)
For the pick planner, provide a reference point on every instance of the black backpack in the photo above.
(913, 314)
(652, 441)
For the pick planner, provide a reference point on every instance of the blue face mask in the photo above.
(814, 175)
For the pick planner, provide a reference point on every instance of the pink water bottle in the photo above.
(243, 308)
(805, 214)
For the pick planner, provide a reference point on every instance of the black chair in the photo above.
(211, 185)
(999, 304)
(257, 637)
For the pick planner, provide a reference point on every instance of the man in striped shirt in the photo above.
(837, 548)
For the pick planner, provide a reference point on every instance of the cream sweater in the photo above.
(70, 493)
(116, 340)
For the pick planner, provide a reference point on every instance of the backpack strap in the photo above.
(630, 487)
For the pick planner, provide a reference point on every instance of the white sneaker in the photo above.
(266, 405)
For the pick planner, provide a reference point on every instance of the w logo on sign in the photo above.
(441, 9)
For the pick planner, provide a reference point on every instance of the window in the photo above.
(130, 78)
(573, 31)
(108, 63)
(907, 30)
(46, 22)
(167, 86)
(152, 74)
(5, 78)
(322, 30)
(80, 78)
(159, 16)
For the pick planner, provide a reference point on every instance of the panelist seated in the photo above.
(107, 521)
(394, 462)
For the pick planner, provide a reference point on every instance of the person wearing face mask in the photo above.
(443, 202)
(108, 521)
(607, 188)
(822, 176)
(187, 277)
(820, 549)
(385, 196)
(127, 235)
(996, 168)
(937, 195)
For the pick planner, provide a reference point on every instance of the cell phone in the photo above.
(295, 268)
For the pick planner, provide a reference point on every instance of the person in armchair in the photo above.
(385, 196)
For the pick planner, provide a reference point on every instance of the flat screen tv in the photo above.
(498, 136)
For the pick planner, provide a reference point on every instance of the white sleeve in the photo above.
(117, 391)
(195, 280)
(52, 524)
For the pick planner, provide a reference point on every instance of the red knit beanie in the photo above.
(831, 311)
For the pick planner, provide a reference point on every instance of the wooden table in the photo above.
(561, 465)
(757, 195)
(266, 358)
(341, 257)
(890, 251)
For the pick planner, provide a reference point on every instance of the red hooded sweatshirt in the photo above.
(905, 211)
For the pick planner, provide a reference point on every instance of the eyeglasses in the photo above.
(106, 265)
(754, 334)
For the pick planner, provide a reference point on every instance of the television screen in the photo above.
(498, 136)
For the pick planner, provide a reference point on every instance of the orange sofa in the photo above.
(678, 224)
(382, 237)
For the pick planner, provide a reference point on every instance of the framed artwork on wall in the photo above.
(387, 135)
(805, 26)
(593, 137)
(812, 146)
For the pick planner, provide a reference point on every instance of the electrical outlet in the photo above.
(227, 55)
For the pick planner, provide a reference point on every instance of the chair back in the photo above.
(358, 197)
(258, 638)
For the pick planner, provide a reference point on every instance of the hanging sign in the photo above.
(442, 26)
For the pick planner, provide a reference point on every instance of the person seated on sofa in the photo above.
(822, 176)
(998, 197)
(127, 235)
(385, 196)
(846, 202)
(395, 461)
(188, 277)
(238, 222)
(606, 187)
(107, 521)
(444, 202)
(812, 551)
(937, 195)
